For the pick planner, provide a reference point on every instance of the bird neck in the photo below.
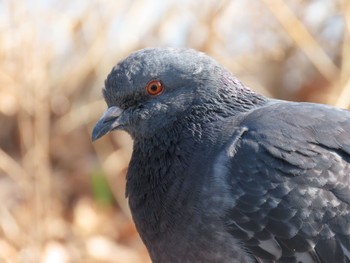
(151, 156)
(233, 97)
(155, 178)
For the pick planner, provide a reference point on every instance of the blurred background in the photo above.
(62, 197)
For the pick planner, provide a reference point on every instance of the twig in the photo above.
(79, 117)
(302, 37)
(13, 170)
(343, 100)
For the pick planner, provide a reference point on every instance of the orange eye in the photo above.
(155, 87)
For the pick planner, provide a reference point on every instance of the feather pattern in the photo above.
(294, 171)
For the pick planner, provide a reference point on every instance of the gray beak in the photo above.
(108, 122)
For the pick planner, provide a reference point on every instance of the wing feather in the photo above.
(292, 164)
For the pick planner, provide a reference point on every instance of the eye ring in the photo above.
(155, 87)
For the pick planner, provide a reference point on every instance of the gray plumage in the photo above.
(220, 173)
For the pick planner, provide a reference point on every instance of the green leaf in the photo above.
(100, 188)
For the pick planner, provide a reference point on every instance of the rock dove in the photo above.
(220, 173)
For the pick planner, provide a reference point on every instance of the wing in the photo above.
(290, 178)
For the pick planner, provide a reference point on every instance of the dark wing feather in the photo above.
(291, 183)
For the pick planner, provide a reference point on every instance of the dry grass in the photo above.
(56, 205)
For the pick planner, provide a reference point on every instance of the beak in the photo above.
(109, 121)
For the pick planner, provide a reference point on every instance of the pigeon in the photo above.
(220, 173)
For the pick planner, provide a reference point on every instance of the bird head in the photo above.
(152, 88)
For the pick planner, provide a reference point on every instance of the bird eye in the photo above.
(155, 87)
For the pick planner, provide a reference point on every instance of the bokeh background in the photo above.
(62, 197)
